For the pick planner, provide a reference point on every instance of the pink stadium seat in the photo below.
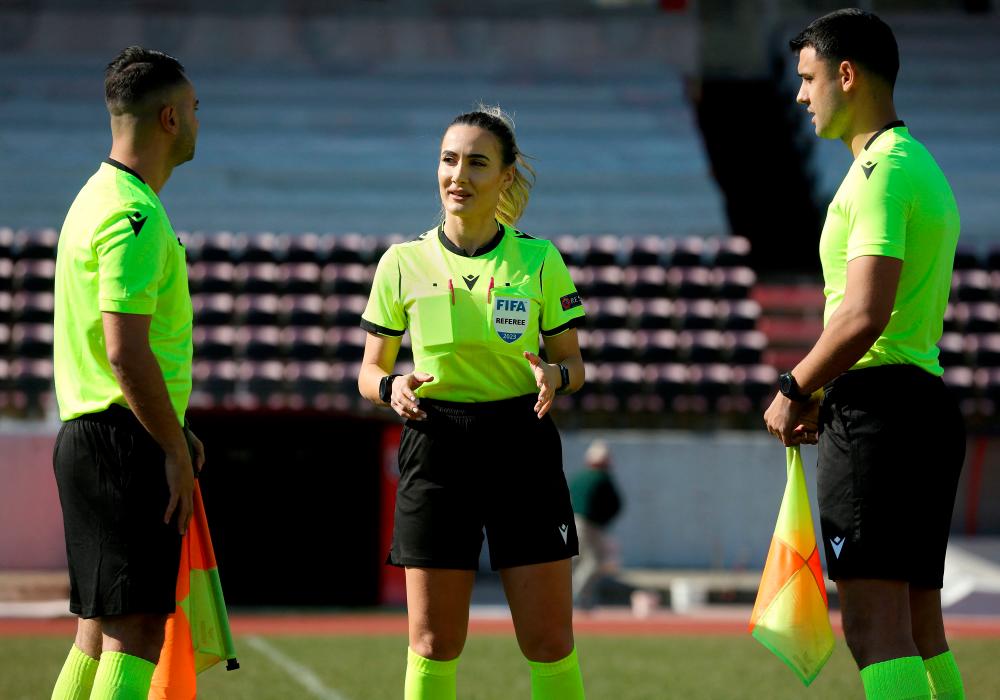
(214, 342)
(346, 279)
(972, 285)
(33, 307)
(608, 313)
(35, 244)
(696, 314)
(302, 309)
(607, 282)
(646, 251)
(34, 275)
(344, 310)
(300, 248)
(598, 251)
(686, 252)
(652, 314)
(212, 277)
(611, 346)
(656, 347)
(646, 282)
(256, 248)
(300, 278)
(216, 246)
(6, 275)
(570, 249)
(734, 282)
(258, 278)
(745, 347)
(259, 342)
(258, 309)
(732, 251)
(213, 309)
(953, 350)
(690, 282)
(346, 344)
(304, 343)
(739, 315)
(701, 347)
(31, 340)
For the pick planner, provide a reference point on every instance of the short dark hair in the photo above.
(853, 35)
(135, 74)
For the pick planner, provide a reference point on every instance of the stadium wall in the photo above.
(294, 501)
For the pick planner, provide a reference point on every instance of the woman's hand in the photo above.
(548, 378)
(403, 400)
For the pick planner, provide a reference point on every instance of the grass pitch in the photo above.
(615, 668)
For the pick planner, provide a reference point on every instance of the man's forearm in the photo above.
(141, 381)
(846, 338)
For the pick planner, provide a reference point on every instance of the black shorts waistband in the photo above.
(517, 405)
(114, 414)
(885, 377)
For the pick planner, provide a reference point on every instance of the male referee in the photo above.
(891, 438)
(123, 377)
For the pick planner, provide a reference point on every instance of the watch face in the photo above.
(785, 383)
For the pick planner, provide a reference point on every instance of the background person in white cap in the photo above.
(596, 502)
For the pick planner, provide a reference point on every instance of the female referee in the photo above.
(479, 449)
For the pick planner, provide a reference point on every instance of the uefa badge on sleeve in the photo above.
(510, 317)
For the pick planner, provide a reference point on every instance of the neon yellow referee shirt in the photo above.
(118, 252)
(471, 317)
(896, 202)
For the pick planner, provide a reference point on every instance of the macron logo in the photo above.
(838, 544)
(564, 531)
(137, 220)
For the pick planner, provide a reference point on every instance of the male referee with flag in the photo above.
(891, 437)
(123, 377)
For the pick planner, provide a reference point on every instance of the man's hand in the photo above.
(198, 451)
(403, 401)
(180, 481)
(548, 378)
(793, 422)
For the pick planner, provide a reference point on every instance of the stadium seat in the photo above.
(304, 343)
(31, 340)
(960, 381)
(955, 316)
(6, 275)
(344, 310)
(971, 285)
(671, 381)
(607, 313)
(701, 347)
(214, 342)
(34, 275)
(758, 383)
(986, 349)
(255, 248)
(346, 279)
(741, 315)
(599, 251)
(696, 314)
(646, 251)
(690, 282)
(711, 382)
(4, 339)
(989, 382)
(258, 278)
(263, 380)
(217, 378)
(212, 277)
(731, 251)
(982, 317)
(352, 248)
(733, 282)
(993, 258)
(211, 247)
(656, 347)
(6, 312)
(35, 244)
(33, 307)
(611, 346)
(966, 258)
(652, 314)
(300, 278)
(686, 252)
(346, 344)
(300, 248)
(607, 282)
(31, 376)
(259, 342)
(382, 244)
(6, 242)
(646, 282)
(303, 309)
(258, 309)
(309, 379)
(569, 247)
(953, 350)
(583, 278)
(213, 309)
(745, 347)
(628, 383)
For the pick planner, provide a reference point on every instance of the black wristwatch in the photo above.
(385, 387)
(790, 388)
(563, 378)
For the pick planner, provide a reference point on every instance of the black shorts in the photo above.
(113, 489)
(490, 465)
(891, 448)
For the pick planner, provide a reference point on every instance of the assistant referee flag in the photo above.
(791, 615)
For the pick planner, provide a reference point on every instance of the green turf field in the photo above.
(615, 668)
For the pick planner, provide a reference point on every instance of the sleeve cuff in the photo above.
(886, 251)
(572, 323)
(380, 330)
(145, 307)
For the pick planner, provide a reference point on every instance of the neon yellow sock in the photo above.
(76, 678)
(122, 677)
(896, 679)
(558, 680)
(944, 678)
(427, 679)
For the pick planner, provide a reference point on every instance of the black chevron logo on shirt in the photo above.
(137, 220)
(470, 281)
(868, 167)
